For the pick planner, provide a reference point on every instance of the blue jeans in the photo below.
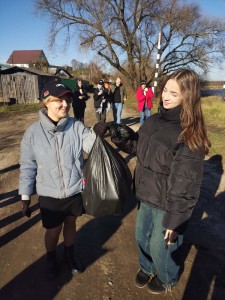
(117, 112)
(153, 253)
(144, 114)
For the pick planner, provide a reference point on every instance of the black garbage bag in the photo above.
(108, 181)
(121, 132)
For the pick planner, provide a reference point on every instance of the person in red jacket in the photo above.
(144, 97)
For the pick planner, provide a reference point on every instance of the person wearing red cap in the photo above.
(51, 161)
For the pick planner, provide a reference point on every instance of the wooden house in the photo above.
(22, 85)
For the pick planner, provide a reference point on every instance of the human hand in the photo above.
(170, 236)
(100, 128)
(121, 132)
(25, 208)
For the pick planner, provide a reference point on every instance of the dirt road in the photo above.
(105, 245)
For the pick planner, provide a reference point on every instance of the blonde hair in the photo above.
(48, 99)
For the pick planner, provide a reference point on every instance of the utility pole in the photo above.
(157, 61)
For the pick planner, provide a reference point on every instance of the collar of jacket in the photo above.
(48, 125)
(170, 115)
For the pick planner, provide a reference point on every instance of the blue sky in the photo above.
(22, 30)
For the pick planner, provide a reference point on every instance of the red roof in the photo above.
(25, 56)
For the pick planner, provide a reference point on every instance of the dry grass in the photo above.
(19, 108)
(214, 114)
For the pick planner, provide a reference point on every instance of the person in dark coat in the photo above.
(119, 95)
(101, 100)
(79, 101)
(170, 148)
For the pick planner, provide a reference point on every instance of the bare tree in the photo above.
(125, 33)
(77, 65)
(188, 38)
(95, 68)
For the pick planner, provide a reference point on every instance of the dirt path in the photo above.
(105, 245)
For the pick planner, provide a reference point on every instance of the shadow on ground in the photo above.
(206, 232)
(90, 240)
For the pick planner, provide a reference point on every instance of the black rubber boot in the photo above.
(52, 266)
(72, 262)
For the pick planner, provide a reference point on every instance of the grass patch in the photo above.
(214, 114)
(19, 108)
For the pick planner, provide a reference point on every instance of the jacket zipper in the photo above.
(59, 165)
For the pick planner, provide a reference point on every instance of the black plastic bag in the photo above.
(121, 132)
(108, 181)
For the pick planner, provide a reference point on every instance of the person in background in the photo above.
(101, 99)
(170, 148)
(51, 162)
(79, 101)
(119, 95)
(107, 86)
(144, 97)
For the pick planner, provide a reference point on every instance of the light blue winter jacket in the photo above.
(52, 157)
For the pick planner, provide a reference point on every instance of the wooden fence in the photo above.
(21, 87)
(18, 88)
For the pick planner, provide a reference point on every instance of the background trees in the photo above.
(125, 33)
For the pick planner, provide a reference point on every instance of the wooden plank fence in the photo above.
(19, 88)
(22, 87)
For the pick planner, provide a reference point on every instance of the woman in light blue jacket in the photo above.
(51, 161)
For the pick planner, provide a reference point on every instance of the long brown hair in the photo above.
(192, 120)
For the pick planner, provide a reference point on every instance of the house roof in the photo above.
(25, 56)
(59, 70)
(16, 69)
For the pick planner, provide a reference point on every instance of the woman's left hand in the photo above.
(170, 236)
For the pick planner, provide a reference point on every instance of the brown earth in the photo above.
(105, 245)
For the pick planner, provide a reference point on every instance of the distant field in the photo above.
(213, 84)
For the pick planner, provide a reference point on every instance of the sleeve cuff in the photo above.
(25, 197)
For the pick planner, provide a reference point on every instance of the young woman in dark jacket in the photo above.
(170, 149)
(101, 99)
(79, 101)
